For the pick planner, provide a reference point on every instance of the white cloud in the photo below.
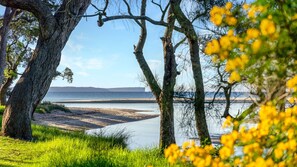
(75, 47)
(94, 64)
(81, 36)
(80, 63)
(82, 73)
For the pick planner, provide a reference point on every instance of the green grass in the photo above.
(47, 107)
(54, 148)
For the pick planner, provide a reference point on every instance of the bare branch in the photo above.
(130, 13)
(179, 43)
(119, 17)
(161, 9)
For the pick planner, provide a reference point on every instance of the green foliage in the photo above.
(10, 73)
(47, 107)
(2, 109)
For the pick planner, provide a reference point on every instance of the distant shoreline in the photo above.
(150, 100)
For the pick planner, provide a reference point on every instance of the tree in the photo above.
(55, 29)
(23, 32)
(8, 15)
(186, 28)
(164, 94)
(190, 33)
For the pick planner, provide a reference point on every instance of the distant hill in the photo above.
(93, 89)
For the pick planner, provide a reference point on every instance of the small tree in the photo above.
(55, 29)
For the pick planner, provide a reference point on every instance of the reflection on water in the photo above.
(145, 133)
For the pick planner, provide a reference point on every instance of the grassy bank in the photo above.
(52, 147)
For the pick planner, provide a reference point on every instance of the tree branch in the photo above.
(119, 17)
(37, 7)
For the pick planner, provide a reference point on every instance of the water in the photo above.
(144, 133)
(61, 96)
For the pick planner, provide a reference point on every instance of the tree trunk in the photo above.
(3, 90)
(35, 81)
(227, 93)
(166, 97)
(199, 100)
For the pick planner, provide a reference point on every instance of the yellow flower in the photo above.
(246, 6)
(231, 21)
(227, 122)
(217, 19)
(291, 100)
(292, 144)
(234, 77)
(252, 12)
(228, 5)
(223, 55)
(256, 45)
(294, 17)
(267, 27)
(225, 152)
(291, 133)
(216, 15)
(291, 83)
(186, 145)
(212, 47)
(269, 162)
(244, 58)
(225, 42)
(278, 153)
(230, 33)
(253, 33)
(237, 162)
(230, 65)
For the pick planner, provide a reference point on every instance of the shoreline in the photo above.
(81, 119)
(150, 100)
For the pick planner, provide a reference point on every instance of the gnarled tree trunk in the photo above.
(35, 81)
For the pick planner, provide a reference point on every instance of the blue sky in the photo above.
(103, 56)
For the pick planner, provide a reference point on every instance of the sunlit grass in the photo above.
(55, 148)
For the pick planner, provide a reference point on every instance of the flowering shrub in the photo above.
(260, 48)
(272, 142)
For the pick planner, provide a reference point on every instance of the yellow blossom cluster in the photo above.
(292, 83)
(253, 10)
(237, 49)
(261, 48)
(220, 14)
(273, 142)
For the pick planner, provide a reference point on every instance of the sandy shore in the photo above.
(89, 118)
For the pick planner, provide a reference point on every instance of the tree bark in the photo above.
(199, 100)
(227, 93)
(35, 81)
(3, 90)
(169, 80)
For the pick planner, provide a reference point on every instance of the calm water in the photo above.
(59, 96)
(145, 133)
